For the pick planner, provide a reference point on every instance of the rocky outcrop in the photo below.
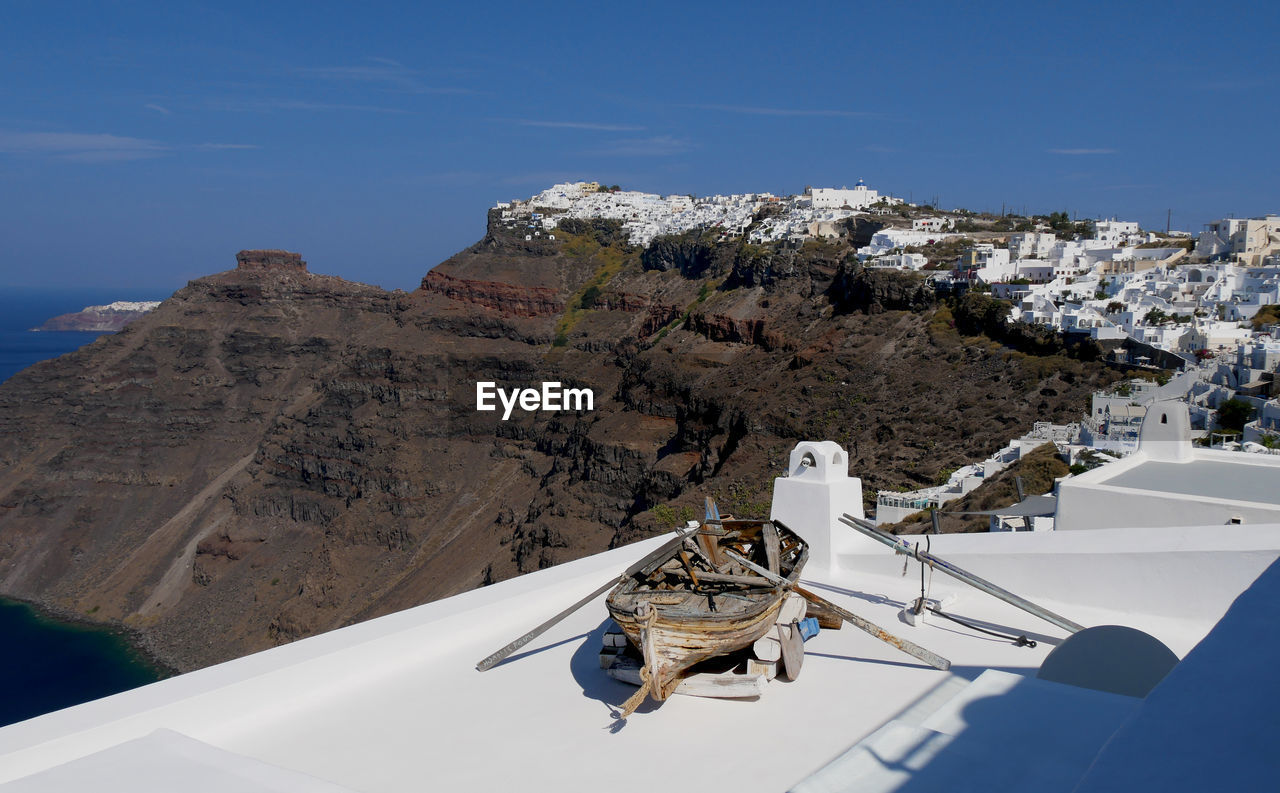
(874, 289)
(623, 301)
(753, 330)
(860, 229)
(603, 230)
(692, 254)
(805, 269)
(271, 260)
(502, 237)
(511, 300)
(657, 318)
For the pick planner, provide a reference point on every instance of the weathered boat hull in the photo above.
(677, 618)
(673, 644)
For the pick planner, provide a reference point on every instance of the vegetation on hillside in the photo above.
(1038, 469)
(610, 259)
(1267, 315)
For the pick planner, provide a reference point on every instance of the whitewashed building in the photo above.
(859, 197)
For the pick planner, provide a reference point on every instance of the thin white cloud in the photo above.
(589, 125)
(447, 177)
(330, 106)
(782, 111)
(161, 110)
(876, 148)
(223, 146)
(1232, 85)
(1082, 151)
(541, 177)
(111, 155)
(96, 147)
(656, 146)
(79, 145)
(384, 73)
(269, 105)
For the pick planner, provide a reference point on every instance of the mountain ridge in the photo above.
(272, 453)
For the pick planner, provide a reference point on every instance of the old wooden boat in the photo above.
(699, 603)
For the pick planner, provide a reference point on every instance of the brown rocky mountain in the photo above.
(273, 453)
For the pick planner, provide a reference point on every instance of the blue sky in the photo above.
(143, 144)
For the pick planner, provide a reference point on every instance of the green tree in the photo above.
(1234, 414)
(1061, 221)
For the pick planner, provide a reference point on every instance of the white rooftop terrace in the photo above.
(395, 704)
(1170, 482)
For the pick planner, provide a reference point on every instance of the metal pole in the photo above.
(910, 648)
(641, 566)
(901, 546)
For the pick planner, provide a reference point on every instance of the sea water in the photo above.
(45, 664)
(24, 309)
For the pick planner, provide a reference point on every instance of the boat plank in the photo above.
(772, 548)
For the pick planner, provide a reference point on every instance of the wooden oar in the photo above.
(908, 647)
(638, 567)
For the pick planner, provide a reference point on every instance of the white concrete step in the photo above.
(165, 761)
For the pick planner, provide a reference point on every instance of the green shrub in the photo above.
(664, 515)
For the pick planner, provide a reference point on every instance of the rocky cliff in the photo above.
(98, 319)
(273, 453)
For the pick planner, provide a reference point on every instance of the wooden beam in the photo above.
(745, 580)
(772, 549)
(688, 565)
(906, 646)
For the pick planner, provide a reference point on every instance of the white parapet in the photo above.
(1169, 482)
(816, 491)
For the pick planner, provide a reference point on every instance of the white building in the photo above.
(1169, 482)
(1114, 232)
(901, 261)
(1031, 244)
(887, 240)
(1214, 335)
(860, 197)
(645, 216)
(932, 224)
(1246, 240)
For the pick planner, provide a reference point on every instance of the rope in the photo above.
(1018, 641)
(924, 591)
(637, 699)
